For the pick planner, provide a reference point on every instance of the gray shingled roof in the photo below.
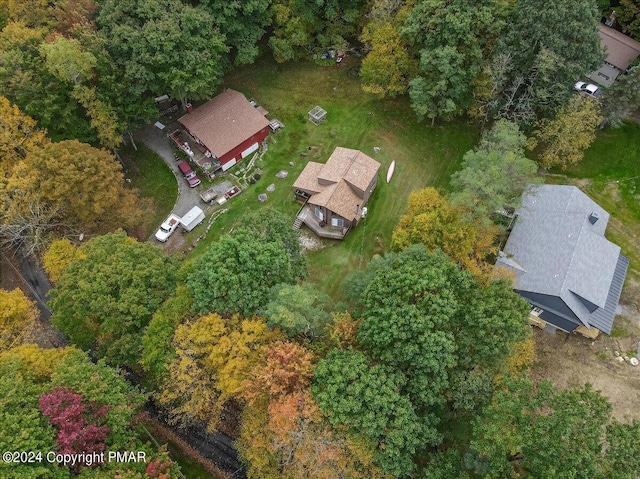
(555, 249)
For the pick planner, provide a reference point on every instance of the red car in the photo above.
(189, 174)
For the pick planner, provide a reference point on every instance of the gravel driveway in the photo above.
(156, 139)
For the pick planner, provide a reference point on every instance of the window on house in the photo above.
(536, 311)
(319, 213)
(337, 222)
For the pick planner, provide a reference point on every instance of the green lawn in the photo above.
(153, 178)
(611, 168)
(424, 156)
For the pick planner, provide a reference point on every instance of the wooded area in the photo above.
(418, 370)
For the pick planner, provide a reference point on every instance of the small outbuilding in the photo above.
(317, 115)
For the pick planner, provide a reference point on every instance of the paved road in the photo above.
(158, 142)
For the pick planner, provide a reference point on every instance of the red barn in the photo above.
(228, 127)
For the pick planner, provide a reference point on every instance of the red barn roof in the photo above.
(224, 122)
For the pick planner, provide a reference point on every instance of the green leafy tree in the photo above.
(620, 99)
(494, 175)
(621, 439)
(549, 45)
(628, 15)
(163, 46)
(157, 345)
(28, 372)
(528, 427)
(453, 39)
(26, 81)
(104, 301)
(298, 310)
(304, 26)
(428, 318)
(368, 399)
(237, 273)
(242, 23)
(563, 140)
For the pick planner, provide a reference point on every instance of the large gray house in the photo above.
(562, 264)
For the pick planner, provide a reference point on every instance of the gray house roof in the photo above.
(557, 249)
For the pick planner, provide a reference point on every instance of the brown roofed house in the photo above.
(335, 193)
(620, 51)
(228, 126)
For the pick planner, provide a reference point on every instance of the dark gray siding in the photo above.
(558, 321)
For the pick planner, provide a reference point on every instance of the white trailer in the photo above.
(193, 218)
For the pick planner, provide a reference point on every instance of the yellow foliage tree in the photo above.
(18, 316)
(59, 256)
(388, 66)
(563, 140)
(432, 221)
(34, 13)
(37, 362)
(213, 358)
(19, 135)
(82, 185)
(522, 357)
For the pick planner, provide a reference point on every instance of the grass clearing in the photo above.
(150, 175)
(424, 156)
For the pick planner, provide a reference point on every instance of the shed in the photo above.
(317, 115)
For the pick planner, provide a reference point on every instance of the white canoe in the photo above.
(390, 171)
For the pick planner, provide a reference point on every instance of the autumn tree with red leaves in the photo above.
(78, 422)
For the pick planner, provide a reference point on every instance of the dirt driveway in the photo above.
(573, 360)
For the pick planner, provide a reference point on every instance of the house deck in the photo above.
(327, 231)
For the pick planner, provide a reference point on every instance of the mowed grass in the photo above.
(150, 175)
(612, 168)
(424, 156)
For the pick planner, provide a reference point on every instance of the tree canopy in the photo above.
(547, 46)
(18, 316)
(163, 46)
(563, 140)
(432, 221)
(495, 174)
(298, 310)
(236, 274)
(104, 301)
(453, 39)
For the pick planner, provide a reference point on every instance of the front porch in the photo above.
(306, 216)
(196, 151)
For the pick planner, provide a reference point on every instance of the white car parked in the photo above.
(588, 88)
(167, 227)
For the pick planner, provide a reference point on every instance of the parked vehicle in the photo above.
(193, 218)
(167, 227)
(588, 88)
(189, 174)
